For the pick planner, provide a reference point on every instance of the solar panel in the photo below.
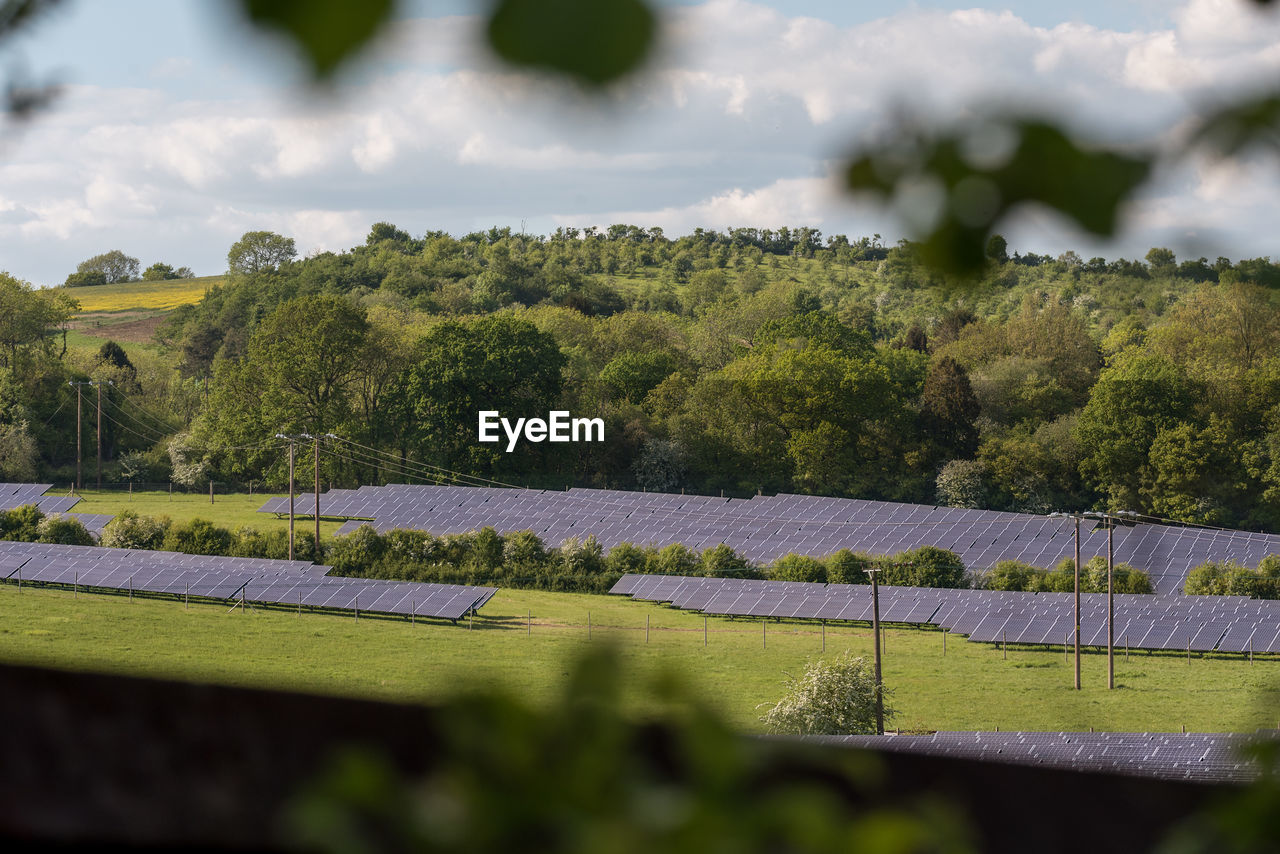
(259, 580)
(764, 528)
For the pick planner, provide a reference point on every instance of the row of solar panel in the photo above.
(14, 495)
(1202, 757)
(258, 580)
(1199, 623)
(763, 529)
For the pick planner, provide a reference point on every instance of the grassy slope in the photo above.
(137, 296)
(972, 687)
(229, 511)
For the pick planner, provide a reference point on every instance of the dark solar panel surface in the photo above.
(1195, 623)
(1202, 757)
(14, 495)
(764, 528)
(259, 580)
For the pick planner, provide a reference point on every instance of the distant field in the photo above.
(972, 687)
(154, 296)
(230, 511)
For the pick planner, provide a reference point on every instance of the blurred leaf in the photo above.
(1254, 121)
(327, 31)
(957, 193)
(15, 14)
(594, 41)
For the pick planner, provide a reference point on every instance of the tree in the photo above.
(796, 567)
(1132, 403)
(128, 530)
(160, 272)
(115, 266)
(259, 252)
(997, 249)
(962, 483)
(86, 279)
(1010, 575)
(948, 409)
(1162, 261)
(298, 375)
(29, 318)
(836, 697)
(19, 455)
(494, 363)
(632, 375)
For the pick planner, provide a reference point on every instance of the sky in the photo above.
(178, 129)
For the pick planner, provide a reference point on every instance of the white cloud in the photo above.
(729, 127)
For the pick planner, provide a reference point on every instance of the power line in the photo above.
(422, 465)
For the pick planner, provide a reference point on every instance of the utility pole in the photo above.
(292, 440)
(875, 629)
(80, 429)
(1077, 620)
(79, 478)
(1110, 521)
(316, 542)
(1111, 607)
(1076, 518)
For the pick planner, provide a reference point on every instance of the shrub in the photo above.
(412, 546)
(21, 523)
(87, 278)
(794, 567)
(581, 558)
(524, 553)
(1011, 575)
(835, 697)
(723, 562)
(198, 537)
(486, 550)
(64, 531)
(1062, 579)
(674, 559)
(930, 566)
(128, 530)
(846, 567)
(626, 558)
(357, 552)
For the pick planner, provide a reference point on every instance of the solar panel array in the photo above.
(1195, 623)
(14, 495)
(258, 580)
(1202, 757)
(764, 528)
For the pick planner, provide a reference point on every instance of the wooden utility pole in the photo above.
(79, 476)
(292, 440)
(1111, 608)
(316, 551)
(290, 499)
(99, 385)
(1077, 520)
(875, 629)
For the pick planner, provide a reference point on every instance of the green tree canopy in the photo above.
(259, 252)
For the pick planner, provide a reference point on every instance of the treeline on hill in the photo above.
(743, 361)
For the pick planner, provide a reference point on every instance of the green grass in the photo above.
(125, 296)
(972, 687)
(230, 511)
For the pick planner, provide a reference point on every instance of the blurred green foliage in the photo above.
(965, 181)
(580, 776)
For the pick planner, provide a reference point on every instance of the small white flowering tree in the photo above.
(836, 697)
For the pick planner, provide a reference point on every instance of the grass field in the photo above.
(972, 687)
(229, 511)
(155, 296)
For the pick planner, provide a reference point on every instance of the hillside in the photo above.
(130, 312)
